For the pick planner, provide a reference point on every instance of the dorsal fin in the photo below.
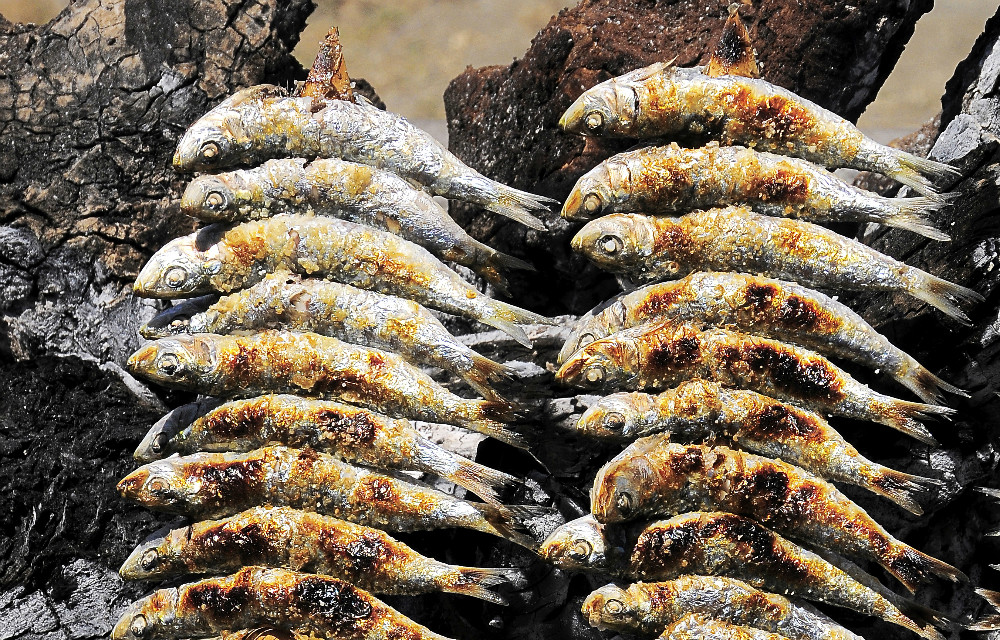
(734, 54)
(328, 77)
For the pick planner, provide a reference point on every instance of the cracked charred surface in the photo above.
(502, 120)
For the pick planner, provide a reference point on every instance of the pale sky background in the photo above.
(411, 49)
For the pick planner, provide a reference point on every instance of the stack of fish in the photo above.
(323, 262)
(734, 348)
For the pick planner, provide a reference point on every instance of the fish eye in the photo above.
(596, 373)
(594, 120)
(157, 485)
(159, 441)
(149, 559)
(625, 503)
(175, 277)
(212, 267)
(581, 550)
(138, 626)
(209, 150)
(592, 203)
(614, 421)
(216, 201)
(168, 364)
(586, 339)
(614, 607)
(611, 244)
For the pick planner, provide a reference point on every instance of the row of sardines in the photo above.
(320, 267)
(724, 498)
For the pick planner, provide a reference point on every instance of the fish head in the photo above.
(163, 485)
(611, 607)
(603, 364)
(591, 197)
(176, 320)
(603, 320)
(151, 617)
(179, 362)
(607, 109)
(210, 143)
(617, 242)
(158, 441)
(615, 417)
(181, 268)
(578, 545)
(214, 198)
(623, 488)
(158, 557)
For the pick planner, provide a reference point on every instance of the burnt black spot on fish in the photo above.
(333, 602)
(356, 427)
(378, 489)
(238, 546)
(239, 421)
(759, 297)
(220, 603)
(761, 493)
(777, 421)
(659, 302)
(669, 353)
(800, 313)
(689, 462)
(672, 242)
(783, 186)
(367, 552)
(230, 485)
(803, 377)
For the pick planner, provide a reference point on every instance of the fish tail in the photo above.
(476, 582)
(918, 379)
(515, 204)
(918, 173)
(483, 481)
(912, 567)
(920, 619)
(901, 488)
(990, 622)
(494, 277)
(910, 214)
(503, 316)
(504, 261)
(509, 522)
(946, 296)
(483, 372)
(905, 416)
(488, 417)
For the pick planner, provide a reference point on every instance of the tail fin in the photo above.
(990, 622)
(910, 214)
(920, 173)
(915, 377)
(924, 619)
(483, 372)
(901, 488)
(946, 296)
(508, 522)
(502, 260)
(480, 480)
(912, 567)
(503, 316)
(488, 417)
(516, 204)
(476, 582)
(904, 416)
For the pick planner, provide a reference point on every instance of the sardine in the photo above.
(156, 443)
(663, 100)
(263, 122)
(214, 485)
(585, 544)
(347, 190)
(695, 627)
(652, 606)
(654, 477)
(303, 603)
(225, 258)
(313, 365)
(282, 537)
(353, 434)
(697, 411)
(772, 308)
(725, 544)
(337, 310)
(647, 249)
(660, 355)
(671, 180)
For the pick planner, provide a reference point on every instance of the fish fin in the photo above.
(476, 582)
(919, 173)
(912, 567)
(485, 371)
(480, 480)
(502, 260)
(923, 618)
(911, 214)
(946, 296)
(503, 316)
(987, 491)
(489, 418)
(733, 54)
(905, 416)
(508, 522)
(990, 622)
(918, 379)
(901, 487)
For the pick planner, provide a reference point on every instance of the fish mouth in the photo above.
(570, 121)
(130, 486)
(571, 208)
(142, 360)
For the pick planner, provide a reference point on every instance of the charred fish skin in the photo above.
(763, 306)
(261, 123)
(226, 258)
(648, 249)
(215, 485)
(342, 189)
(354, 434)
(694, 627)
(713, 543)
(698, 410)
(654, 477)
(651, 607)
(365, 318)
(663, 100)
(317, 366)
(658, 355)
(671, 180)
(255, 596)
(302, 541)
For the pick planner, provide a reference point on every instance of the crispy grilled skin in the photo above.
(693, 627)
(255, 596)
